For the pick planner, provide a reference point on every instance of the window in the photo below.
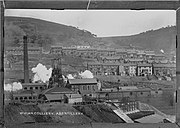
(36, 88)
(31, 88)
(16, 98)
(30, 98)
(131, 93)
(84, 87)
(88, 87)
(25, 88)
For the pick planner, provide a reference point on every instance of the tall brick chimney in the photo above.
(26, 66)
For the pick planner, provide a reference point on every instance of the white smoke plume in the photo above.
(13, 87)
(42, 74)
(86, 74)
(70, 76)
(162, 51)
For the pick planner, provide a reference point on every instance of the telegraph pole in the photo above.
(1, 65)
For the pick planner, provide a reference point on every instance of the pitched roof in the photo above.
(165, 65)
(57, 90)
(33, 84)
(94, 63)
(25, 93)
(83, 81)
(145, 65)
(111, 57)
(132, 59)
(112, 64)
(72, 96)
(120, 50)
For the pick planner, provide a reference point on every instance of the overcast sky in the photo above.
(104, 22)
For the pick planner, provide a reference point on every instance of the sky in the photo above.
(104, 23)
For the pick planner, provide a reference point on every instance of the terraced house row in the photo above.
(129, 69)
(90, 52)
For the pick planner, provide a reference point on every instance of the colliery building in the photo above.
(86, 86)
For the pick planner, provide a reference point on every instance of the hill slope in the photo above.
(45, 33)
(164, 38)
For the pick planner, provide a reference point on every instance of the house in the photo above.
(86, 86)
(159, 57)
(111, 68)
(95, 68)
(164, 69)
(141, 54)
(112, 59)
(131, 53)
(56, 50)
(144, 69)
(134, 61)
(121, 53)
(149, 54)
(132, 69)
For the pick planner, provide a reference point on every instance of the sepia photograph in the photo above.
(89, 66)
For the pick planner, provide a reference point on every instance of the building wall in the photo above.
(73, 100)
(144, 71)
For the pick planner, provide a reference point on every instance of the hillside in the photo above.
(164, 38)
(45, 33)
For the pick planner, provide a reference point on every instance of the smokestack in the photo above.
(26, 66)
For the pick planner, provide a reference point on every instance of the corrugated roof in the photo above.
(83, 81)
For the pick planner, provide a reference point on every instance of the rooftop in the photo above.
(83, 81)
(165, 65)
(132, 59)
(144, 65)
(57, 90)
(33, 84)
